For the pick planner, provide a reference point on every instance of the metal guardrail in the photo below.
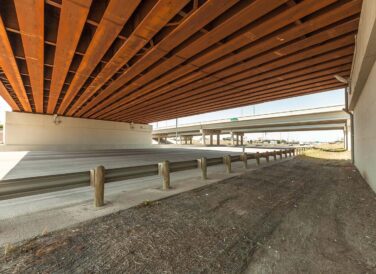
(126, 173)
(12, 188)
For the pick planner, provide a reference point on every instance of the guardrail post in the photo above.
(244, 158)
(275, 155)
(280, 154)
(92, 177)
(267, 156)
(164, 171)
(257, 156)
(99, 179)
(202, 164)
(227, 162)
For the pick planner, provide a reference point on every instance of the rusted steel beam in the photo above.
(6, 96)
(249, 93)
(10, 68)
(195, 103)
(253, 34)
(280, 62)
(108, 29)
(159, 15)
(267, 83)
(283, 95)
(233, 70)
(73, 16)
(30, 15)
(234, 80)
(193, 23)
(246, 15)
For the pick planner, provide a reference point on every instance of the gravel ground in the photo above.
(301, 216)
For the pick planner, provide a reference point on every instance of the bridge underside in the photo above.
(145, 61)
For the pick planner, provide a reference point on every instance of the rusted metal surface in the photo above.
(157, 60)
(108, 29)
(73, 17)
(30, 14)
(10, 68)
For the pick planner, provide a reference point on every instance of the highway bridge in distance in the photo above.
(324, 118)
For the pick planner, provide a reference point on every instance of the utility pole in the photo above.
(176, 132)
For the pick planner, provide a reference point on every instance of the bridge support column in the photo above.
(209, 132)
(218, 139)
(203, 138)
(236, 139)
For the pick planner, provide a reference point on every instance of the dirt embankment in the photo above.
(301, 216)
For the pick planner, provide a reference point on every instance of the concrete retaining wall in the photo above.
(363, 94)
(25, 129)
(365, 130)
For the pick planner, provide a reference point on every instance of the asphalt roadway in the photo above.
(39, 163)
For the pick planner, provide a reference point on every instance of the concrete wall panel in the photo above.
(365, 130)
(35, 129)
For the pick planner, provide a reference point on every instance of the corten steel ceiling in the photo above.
(149, 60)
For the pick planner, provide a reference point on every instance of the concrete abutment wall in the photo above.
(363, 94)
(365, 131)
(37, 130)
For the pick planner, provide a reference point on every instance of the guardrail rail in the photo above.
(12, 188)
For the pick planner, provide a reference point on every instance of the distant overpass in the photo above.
(326, 118)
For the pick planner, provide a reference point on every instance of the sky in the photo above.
(3, 107)
(330, 98)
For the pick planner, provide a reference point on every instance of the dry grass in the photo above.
(329, 155)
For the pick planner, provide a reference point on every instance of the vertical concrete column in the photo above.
(275, 155)
(203, 139)
(232, 139)
(190, 140)
(237, 139)
(159, 140)
(211, 139)
(241, 139)
(218, 139)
